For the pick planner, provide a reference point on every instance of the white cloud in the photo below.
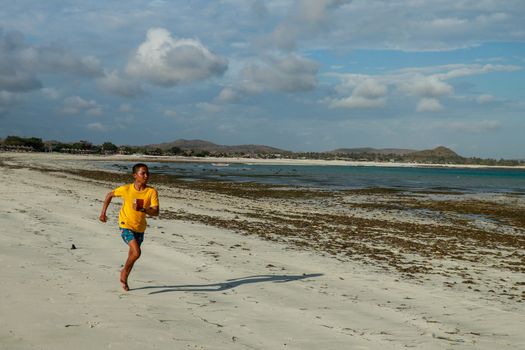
(167, 61)
(358, 102)
(7, 99)
(306, 18)
(96, 127)
(115, 84)
(228, 95)
(211, 108)
(429, 105)
(426, 86)
(125, 121)
(367, 93)
(287, 74)
(170, 113)
(56, 59)
(126, 108)
(227, 128)
(485, 99)
(370, 88)
(20, 63)
(492, 18)
(77, 105)
(50, 93)
(259, 8)
(14, 76)
(427, 26)
(290, 73)
(463, 70)
(427, 83)
(96, 111)
(18, 82)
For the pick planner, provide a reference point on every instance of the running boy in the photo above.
(139, 199)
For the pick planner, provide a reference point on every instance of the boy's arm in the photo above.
(107, 200)
(152, 211)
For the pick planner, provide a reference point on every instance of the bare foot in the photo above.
(124, 282)
(124, 286)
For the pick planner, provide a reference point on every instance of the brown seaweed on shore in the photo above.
(372, 238)
(409, 248)
(249, 190)
(501, 212)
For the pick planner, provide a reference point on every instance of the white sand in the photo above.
(194, 288)
(226, 160)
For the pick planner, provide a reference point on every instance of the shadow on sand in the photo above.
(229, 284)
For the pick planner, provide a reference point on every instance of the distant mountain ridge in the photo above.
(438, 154)
(441, 153)
(201, 145)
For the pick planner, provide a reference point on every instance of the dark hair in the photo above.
(137, 166)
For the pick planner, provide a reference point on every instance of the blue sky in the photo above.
(311, 75)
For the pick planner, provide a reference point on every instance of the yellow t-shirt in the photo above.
(130, 218)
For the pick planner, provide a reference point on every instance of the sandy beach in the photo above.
(231, 266)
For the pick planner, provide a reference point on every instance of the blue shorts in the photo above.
(129, 235)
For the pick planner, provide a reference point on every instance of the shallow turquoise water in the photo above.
(347, 177)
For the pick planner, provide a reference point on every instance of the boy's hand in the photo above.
(138, 204)
(107, 200)
(138, 208)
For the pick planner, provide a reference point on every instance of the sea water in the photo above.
(339, 177)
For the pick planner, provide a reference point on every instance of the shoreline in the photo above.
(212, 174)
(248, 161)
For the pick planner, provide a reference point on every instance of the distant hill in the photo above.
(370, 150)
(200, 145)
(438, 154)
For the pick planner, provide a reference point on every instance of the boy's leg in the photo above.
(133, 255)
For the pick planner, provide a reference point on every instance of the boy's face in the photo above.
(142, 175)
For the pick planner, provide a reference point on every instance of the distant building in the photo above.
(10, 148)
